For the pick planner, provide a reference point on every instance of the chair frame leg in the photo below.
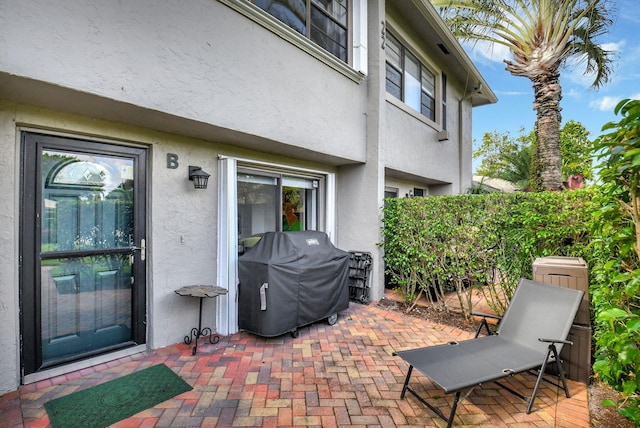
(551, 351)
(406, 388)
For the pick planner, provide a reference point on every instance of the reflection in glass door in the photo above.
(86, 296)
(299, 203)
(257, 207)
(269, 202)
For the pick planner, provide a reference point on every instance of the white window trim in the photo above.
(360, 62)
(405, 39)
(357, 73)
(227, 248)
(409, 110)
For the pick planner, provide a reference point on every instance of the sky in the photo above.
(592, 108)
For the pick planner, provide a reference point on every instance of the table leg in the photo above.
(197, 333)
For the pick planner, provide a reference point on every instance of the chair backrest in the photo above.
(537, 311)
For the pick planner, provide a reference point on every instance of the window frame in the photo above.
(438, 100)
(227, 226)
(285, 178)
(347, 26)
(356, 67)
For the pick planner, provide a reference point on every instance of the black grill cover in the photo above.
(291, 279)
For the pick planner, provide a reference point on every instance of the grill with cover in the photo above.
(291, 279)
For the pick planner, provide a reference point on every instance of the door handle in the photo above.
(142, 248)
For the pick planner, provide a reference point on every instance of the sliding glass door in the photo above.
(269, 202)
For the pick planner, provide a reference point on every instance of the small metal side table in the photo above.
(200, 291)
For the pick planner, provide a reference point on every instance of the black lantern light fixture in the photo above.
(199, 177)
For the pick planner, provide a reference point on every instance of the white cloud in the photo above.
(573, 93)
(614, 47)
(608, 103)
(484, 50)
(605, 103)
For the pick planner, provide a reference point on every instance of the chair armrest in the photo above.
(564, 342)
(483, 315)
(484, 322)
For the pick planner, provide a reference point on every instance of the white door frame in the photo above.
(227, 248)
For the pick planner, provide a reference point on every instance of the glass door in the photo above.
(258, 209)
(299, 203)
(270, 202)
(86, 292)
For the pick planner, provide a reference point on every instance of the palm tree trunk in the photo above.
(547, 96)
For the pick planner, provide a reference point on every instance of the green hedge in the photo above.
(437, 244)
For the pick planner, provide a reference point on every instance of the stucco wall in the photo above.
(412, 146)
(9, 326)
(199, 60)
(361, 187)
(181, 238)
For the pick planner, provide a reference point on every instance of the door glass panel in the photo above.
(86, 238)
(273, 202)
(257, 208)
(86, 305)
(298, 204)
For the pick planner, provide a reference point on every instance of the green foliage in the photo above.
(488, 242)
(615, 282)
(512, 159)
(502, 155)
(575, 150)
(535, 181)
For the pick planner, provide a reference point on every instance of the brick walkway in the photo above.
(329, 376)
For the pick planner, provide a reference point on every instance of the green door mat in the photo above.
(110, 402)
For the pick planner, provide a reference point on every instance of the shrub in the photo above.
(615, 283)
(435, 244)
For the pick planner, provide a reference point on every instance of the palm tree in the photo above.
(543, 36)
(518, 167)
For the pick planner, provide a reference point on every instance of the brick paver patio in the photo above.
(329, 376)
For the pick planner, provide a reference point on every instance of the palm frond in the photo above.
(541, 34)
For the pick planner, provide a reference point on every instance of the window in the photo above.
(409, 80)
(391, 192)
(444, 101)
(325, 22)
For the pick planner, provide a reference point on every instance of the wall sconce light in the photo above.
(199, 177)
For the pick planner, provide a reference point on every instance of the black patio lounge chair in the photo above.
(530, 335)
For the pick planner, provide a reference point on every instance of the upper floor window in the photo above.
(409, 80)
(444, 101)
(325, 22)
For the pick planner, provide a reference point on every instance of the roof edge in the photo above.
(481, 93)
